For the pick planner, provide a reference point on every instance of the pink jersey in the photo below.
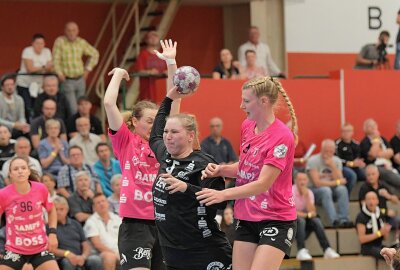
(139, 169)
(274, 146)
(301, 204)
(25, 226)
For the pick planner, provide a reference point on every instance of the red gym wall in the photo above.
(200, 39)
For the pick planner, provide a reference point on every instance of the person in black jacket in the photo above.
(190, 237)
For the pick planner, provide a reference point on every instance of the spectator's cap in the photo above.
(83, 98)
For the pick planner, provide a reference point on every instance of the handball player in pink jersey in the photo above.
(138, 241)
(264, 203)
(22, 202)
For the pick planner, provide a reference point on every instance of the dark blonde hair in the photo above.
(270, 87)
(137, 112)
(33, 176)
(189, 122)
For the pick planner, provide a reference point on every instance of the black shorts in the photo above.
(138, 245)
(275, 233)
(208, 258)
(16, 261)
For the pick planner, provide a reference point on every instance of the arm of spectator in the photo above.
(363, 237)
(35, 141)
(31, 68)
(375, 149)
(364, 61)
(314, 176)
(63, 136)
(63, 192)
(93, 54)
(57, 54)
(6, 123)
(103, 137)
(72, 134)
(99, 245)
(46, 161)
(86, 250)
(387, 153)
(114, 116)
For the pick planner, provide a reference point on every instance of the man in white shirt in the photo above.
(263, 53)
(86, 140)
(22, 149)
(102, 229)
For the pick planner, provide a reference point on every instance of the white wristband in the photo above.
(170, 61)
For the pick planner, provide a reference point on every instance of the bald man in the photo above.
(68, 51)
(216, 145)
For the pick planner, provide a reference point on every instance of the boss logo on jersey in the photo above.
(280, 151)
(270, 232)
(142, 253)
(140, 196)
(215, 266)
(27, 242)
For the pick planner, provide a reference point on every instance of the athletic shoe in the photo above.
(303, 255)
(330, 253)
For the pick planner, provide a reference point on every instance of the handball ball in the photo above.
(187, 79)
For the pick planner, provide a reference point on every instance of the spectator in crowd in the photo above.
(51, 91)
(38, 129)
(372, 55)
(148, 62)
(375, 149)
(348, 150)
(218, 146)
(228, 224)
(86, 140)
(226, 68)
(53, 150)
(395, 143)
(67, 174)
(81, 200)
(106, 167)
(22, 149)
(12, 112)
(328, 184)
(73, 251)
(251, 70)
(35, 59)
(113, 200)
(371, 227)
(102, 230)
(308, 221)
(50, 182)
(84, 107)
(397, 59)
(68, 51)
(299, 154)
(6, 145)
(262, 51)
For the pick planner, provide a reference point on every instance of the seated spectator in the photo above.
(7, 148)
(226, 69)
(81, 200)
(228, 224)
(86, 140)
(67, 173)
(102, 229)
(395, 143)
(106, 167)
(218, 146)
(328, 184)
(84, 108)
(12, 112)
(147, 62)
(73, 251)
(38, 129)
(35, 59)
(348, 150)
(371, 228)
(251, 70)
(51, 91)
(22, 149)
(307, 220)
(113, 200)
(53, 151)
(50, 182)
(375, 149)
(299, 152)
(370, 55)
(261, 49)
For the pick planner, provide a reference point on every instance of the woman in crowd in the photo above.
(264, 203)
(189, 234)
(228, 224)
(53, 150)
(226, 69)
(139, 169)
(22, 203)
